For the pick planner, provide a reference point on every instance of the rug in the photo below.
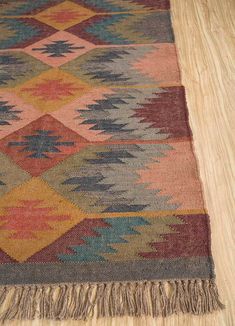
(101, 205)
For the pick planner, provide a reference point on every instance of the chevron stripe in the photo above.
(190, 239)
(95, 247)
(20, 32)
(124, 125)
(127, 66)
(153, 231)
(106, 178)
(135, 114)
(129, 28)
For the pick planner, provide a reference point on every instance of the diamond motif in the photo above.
(14, 113)
(33, 216)
(41, 144)
(59, 48)
(64, 15)
(52, 89)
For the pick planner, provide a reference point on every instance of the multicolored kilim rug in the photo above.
(101, 206)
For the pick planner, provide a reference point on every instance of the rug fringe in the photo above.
(80, 301)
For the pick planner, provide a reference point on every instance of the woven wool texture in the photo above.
(101, 205)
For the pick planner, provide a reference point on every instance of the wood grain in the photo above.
(205, 32)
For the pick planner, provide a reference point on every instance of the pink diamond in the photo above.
(59, 48)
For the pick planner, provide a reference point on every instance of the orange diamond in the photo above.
(52, 89)
(64, 15)
(32, 216)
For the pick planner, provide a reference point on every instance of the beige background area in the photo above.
(205, 33)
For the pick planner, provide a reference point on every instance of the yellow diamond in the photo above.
(51, 90)
(32, 216)
(64, 15)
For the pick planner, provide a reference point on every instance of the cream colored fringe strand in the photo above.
(80, 301)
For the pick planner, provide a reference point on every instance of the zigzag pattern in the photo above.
(122, 239)
(105, 178)
(110, 66)
(95, 247)
(20, 32)
(120, 107)
(134, 113)
(126, 29)
(124, 66)
(132, 245)
(189, 239)
(76, 236)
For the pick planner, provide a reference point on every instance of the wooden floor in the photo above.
(205, 33)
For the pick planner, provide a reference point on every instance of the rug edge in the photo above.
(110, 299)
